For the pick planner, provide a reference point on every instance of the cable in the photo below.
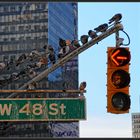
(127, 37)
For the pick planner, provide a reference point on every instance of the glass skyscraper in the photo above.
(26, 26)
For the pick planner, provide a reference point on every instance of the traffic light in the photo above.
(118, 79)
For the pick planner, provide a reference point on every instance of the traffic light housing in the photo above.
(118, 80)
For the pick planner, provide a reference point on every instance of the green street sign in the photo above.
(42, 109)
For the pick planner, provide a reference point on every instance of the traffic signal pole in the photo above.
(71, 55)
(117, 38)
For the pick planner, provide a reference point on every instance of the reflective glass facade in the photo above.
(31, 25)
(62, 23)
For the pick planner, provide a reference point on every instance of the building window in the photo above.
(44, 27)
(21, 28)
(37, 27)
(38, 6)
(28, 38)
(21, 38)
(1, 9)
(27, 7)
(12, 28)
(12, 57)
(28, 27)
(13, 38)
(5, 39)
(12, 8)
(5, 58)
(44, 15)
(5, 29)
(36, 17)
(44, 36)
(5, 9)
(42, 6)
(36, 38)
(12, 87)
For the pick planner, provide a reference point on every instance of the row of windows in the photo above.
(19, 8)
(19, 40)
(136, 131)
(136, 116)
(17, 47)
(21, 37)
(31, 135)
(4, 58)
(23, 28)
(23, 17)
(136, 126)
(37, 41)
(136, 136)
(136, 121)
(20, 48)
(41, 85)
(30, 125)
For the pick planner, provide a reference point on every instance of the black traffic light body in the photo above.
(118, 80)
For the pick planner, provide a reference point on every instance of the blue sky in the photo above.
(93, 68)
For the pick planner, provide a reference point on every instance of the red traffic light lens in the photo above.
(120, 57)
(121, 101)
(120, 78)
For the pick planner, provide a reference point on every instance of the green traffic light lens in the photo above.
(121, 101)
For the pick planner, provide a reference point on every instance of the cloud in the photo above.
(116, 127)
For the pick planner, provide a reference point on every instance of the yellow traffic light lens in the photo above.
(121, 101)
(120, 57)
(120, 78)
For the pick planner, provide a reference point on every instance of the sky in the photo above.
(93, 68)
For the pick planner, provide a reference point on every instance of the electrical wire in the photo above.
(127, 37)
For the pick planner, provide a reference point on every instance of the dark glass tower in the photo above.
(31, 25)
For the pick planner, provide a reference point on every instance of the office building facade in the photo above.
(26, 26)
(136, 125)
